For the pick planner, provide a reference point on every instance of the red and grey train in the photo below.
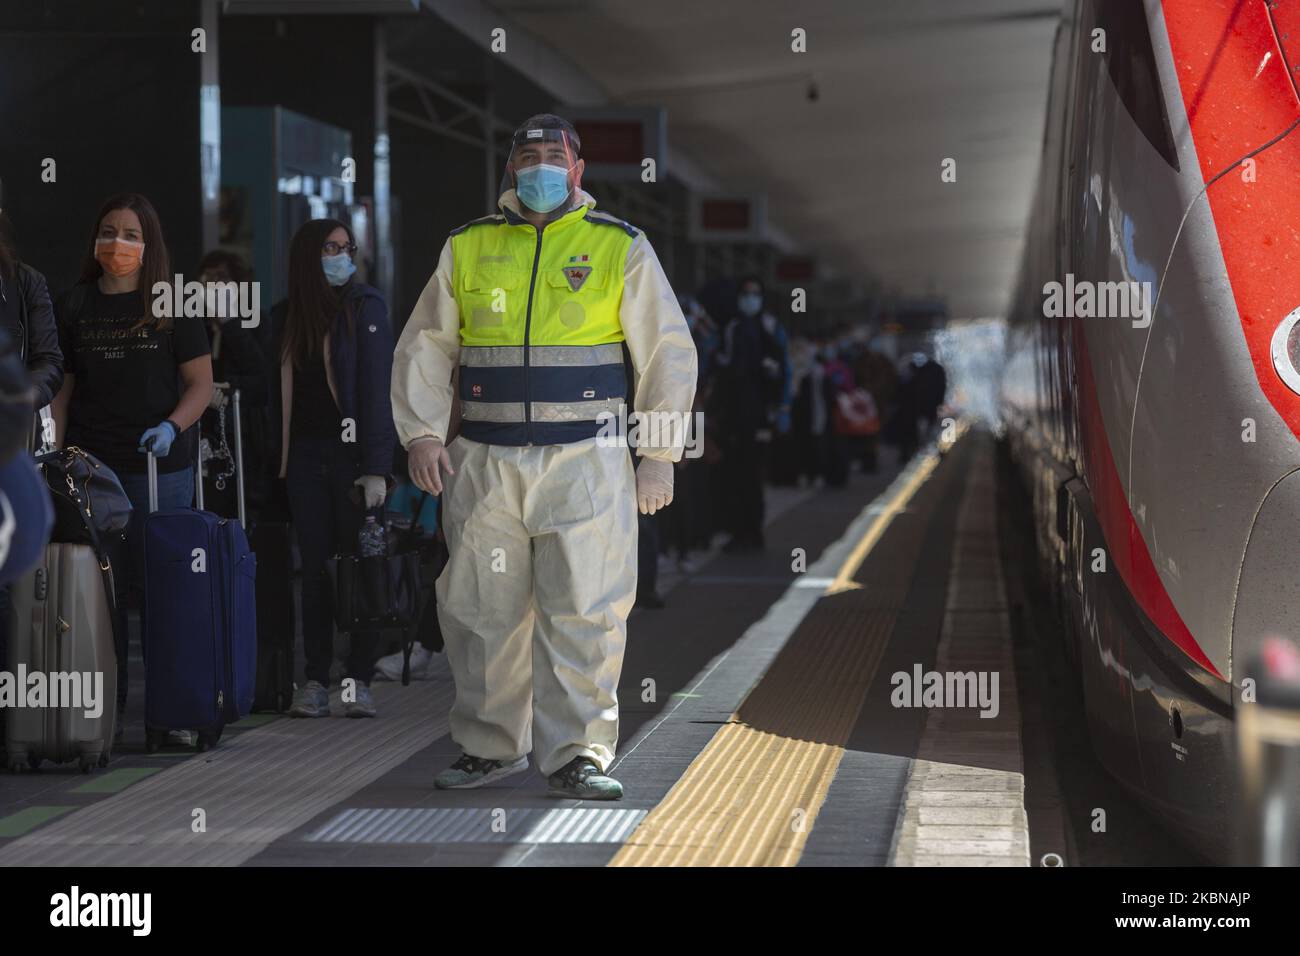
(1163, 451)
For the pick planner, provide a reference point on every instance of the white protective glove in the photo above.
(654, 485)
(374, 490)
(425, 456)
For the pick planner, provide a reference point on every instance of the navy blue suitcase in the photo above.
(200, 642)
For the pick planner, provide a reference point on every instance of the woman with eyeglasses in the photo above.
(334, 358)
(132, 381)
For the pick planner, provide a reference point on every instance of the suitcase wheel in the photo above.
(207, 739)
(86, 763)
(152, 740)
(103, 759)
(18, 761)
(33, 762)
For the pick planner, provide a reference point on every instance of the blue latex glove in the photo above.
(158, 439)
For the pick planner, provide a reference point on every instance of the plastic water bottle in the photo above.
(371, 539)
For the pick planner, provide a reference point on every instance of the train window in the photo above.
(1131, 63)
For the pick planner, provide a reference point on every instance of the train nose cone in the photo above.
(1268, 592)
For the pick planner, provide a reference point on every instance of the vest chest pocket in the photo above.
(493, 301)
(575, 292)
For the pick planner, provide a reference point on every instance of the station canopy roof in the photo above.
(852, 176)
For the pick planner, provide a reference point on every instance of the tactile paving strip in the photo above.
(415, 825)
(752, 795)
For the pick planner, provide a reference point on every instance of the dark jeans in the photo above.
(647, 555)
(745, 466)
(326, 520)
(835, 459)
(175, 490)
(689, 520)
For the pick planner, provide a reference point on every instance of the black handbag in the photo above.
(376, 593)
(89, 507)
(392, 591)
(379, 592)
(433, 559)
(89, 503)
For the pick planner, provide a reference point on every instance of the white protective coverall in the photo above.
(543, 538)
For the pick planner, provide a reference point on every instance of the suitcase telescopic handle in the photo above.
(239, 453)
(151, 468)
(198, 472)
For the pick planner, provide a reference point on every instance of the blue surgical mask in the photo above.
(542, 188)
(338, 269)
(750, 304)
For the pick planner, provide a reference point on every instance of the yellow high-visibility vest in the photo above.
(541, 341)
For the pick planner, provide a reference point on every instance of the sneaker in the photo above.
(310, 700)
(581, 778)
(180, 738)
(363, 706)
(390, 667)
(469, 772)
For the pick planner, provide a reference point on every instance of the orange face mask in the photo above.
(119, 257)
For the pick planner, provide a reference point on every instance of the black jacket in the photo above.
(362, 366)
(16, 408)
(739, 398)
(28, 317)
(240, 363)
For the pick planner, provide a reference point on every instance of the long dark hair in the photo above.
(8, 258)
(313, 302)
(157, 265)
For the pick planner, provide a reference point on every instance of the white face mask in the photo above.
(750, 304)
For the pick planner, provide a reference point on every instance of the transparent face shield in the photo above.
(541, 168)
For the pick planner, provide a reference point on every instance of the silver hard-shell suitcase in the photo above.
(59, 625)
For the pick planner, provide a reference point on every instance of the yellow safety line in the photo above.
(844, 579)
(752, 795)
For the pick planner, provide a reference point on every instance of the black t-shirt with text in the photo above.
(127, 375)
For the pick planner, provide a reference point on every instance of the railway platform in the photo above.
(846, 697)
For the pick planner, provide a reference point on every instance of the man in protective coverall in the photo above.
(530, 308)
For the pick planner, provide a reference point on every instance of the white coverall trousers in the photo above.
(534, 601)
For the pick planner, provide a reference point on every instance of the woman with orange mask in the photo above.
(131, 381)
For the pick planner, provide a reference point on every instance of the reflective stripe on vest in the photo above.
(541, 339)
(502, 412)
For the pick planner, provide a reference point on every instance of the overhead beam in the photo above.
(554, 72)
